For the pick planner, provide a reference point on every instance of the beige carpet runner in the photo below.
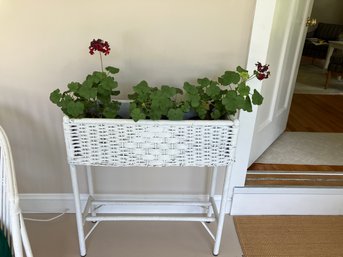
(290, 236)
(305, 148)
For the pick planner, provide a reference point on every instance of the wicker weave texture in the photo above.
(123, 143)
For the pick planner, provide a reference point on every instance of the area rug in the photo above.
(311, 80)
(305, 148)
(290, 236)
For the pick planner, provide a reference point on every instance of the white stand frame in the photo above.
(90, 214)
(146, 143)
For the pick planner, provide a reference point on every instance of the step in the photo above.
(261, 174)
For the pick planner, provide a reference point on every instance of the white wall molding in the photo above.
(287, 201)
(246, 201)
(57, 203)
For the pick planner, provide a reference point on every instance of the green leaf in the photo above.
(213, 90)
(90, 81)
(74, 86)
(55, 96)
(240, 102)
(243, 73)
(132, 106)
(104, 99)
(168, 91)
(190, 89)
(65, 101)
(230, 102)
(175, 114)
(243, 89)
(194, 100)
(87, 92)
(75, 109)
(179, 91)
(142, 88)
(111, 110)
(99, 75)
(247, 105)
(216, 114)
(137, 114)
(202, 111)
(155, 114)
(204, 82)
(132, 96)
(109, 83)
(192, 94)
(164, 105)
(185, 107)
(112, 70)
(257, 98)
(239, 69)
(229, 77)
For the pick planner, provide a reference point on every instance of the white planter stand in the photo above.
(125, 143)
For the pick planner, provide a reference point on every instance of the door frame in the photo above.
(262, 200)
(258, 50)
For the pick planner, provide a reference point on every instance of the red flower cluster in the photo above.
(262, 71)
(99, 45)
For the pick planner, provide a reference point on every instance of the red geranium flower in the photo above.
(102, 47)
(262, 71)
(99, 45)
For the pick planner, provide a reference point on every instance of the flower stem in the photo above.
(102, 67)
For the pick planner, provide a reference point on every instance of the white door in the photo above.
(284, 53)
(277, 39)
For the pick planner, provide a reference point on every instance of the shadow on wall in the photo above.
(36, 141)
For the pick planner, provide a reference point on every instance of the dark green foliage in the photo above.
(92, 98)
(209, 99)
(156, 103)
(218, 99)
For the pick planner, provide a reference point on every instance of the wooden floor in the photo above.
(308, 113)
(316, 113)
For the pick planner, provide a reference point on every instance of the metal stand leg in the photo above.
(213, 187)
(78, 211)
(220, 225)
(90, 186)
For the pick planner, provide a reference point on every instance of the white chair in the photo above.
(11, 219)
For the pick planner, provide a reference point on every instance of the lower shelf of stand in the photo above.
(202, 217)
(150, 217)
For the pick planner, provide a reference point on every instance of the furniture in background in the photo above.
(316, 44)
(334, 60)
(11, 219)
(332, 46)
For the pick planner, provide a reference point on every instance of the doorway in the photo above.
(315, 120)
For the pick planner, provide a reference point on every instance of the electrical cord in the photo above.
(48, 220)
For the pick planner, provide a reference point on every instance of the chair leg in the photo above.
(328, 77)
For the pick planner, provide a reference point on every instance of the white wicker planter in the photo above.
(123, 142)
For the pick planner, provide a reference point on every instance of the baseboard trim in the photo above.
(287, 201)
(57, 203)
(246, 201)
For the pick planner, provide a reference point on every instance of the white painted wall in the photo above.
(44, 45)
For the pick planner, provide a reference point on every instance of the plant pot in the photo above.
(123, 142)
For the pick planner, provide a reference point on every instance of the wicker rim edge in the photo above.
(234, 122)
